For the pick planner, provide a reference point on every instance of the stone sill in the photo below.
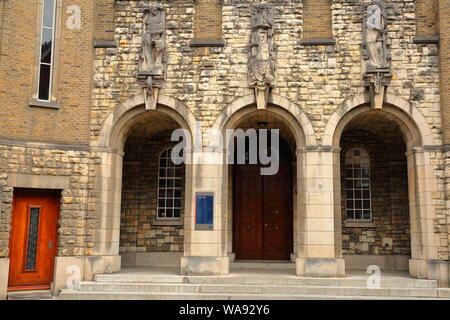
(105, 44)
(167, 222)
(317, 42)
(426, 40)
(357, 224)
(43, 104)
(206, 43)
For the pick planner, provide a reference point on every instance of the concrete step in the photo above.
(257, 289)
(67, 294)
(265, 265)
(30, 295)
(386, 282)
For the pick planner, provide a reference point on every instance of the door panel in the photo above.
(262, 213)
(33, 242)
(248, 231)
(277, 214)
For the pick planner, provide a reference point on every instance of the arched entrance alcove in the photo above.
(265, 214)
(383, 186)
(143, 195)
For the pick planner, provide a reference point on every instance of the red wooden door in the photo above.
(33, 242)
(262, 213)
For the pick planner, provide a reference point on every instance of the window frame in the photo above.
(34, 100)
(363, 154)
(173, 188)
(51, 64)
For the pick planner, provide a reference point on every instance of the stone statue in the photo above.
(261, 53)
(375, 47)
(152, 62)
(153, 35)
(375, 52)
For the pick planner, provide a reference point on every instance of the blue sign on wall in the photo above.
(204, 211)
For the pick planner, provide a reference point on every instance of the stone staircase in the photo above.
(249, 284)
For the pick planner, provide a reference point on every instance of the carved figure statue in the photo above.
(153, 46)
(375, 47)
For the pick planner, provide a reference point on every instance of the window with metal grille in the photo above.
(357, 185)
(170, 186)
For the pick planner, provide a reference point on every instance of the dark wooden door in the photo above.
(277, 215)
(33, 242)
(262, 213)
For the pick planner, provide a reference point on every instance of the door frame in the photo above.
(29, 192)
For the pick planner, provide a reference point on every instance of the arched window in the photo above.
(170, 179)
(357, 185)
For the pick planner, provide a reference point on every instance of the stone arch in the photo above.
(238, 107)
(296, 122)
(110, 147)
(418, 139)
(120, 121)
(412, 123)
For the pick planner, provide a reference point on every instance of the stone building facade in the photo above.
(98, 138)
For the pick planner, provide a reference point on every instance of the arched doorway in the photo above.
(402, 137)
(374, 193)
(262, 206)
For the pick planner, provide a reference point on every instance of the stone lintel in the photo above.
(105, 44)
(206, 43)
(426, 40)
(317, 42)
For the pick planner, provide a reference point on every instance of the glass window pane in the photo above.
(46, 47)
(350, 204)
(44, 82)
(366, 215)
(176, 213)
(350, 214)
(366, 194)
(358, 194)
(33, 230)
(366, 204)
(48, 13)
(358, 214)
(358, 204)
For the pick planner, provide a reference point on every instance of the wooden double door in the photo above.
(263, 215)
(33, 242)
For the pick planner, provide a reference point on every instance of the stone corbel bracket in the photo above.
(152, 71)
(262, 64)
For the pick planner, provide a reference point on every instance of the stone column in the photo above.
(205, 250)
(319, 246)
(425, 242)
(4, 273)
(104, 257)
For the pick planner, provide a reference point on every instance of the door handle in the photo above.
(249, 228)
(266, 225)
(277, 228)
(276, 212)
(50, 244)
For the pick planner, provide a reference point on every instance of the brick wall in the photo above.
(390, 206)
(444, 58)
(317, 19)
(18, 121)
(208, 20)
(104, 20)
(139, 199)
(426, 12)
